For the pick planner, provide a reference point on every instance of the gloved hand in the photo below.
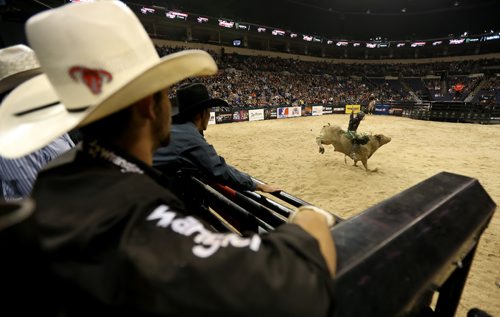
(330, 219)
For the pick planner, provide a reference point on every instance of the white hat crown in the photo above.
(14, 61)
(85, 60)
(97, 59)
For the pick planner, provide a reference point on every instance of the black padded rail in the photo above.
(391, 256)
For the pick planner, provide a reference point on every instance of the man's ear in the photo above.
(145, 107)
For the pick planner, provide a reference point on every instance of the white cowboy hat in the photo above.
(18, 63)
(97, 59)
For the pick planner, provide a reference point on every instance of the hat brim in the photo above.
(31, 117)
(209, 103)
(9, 82)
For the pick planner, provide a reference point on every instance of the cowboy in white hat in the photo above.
(113, 234)
(187, 143)
(18, 63)
(17, 176)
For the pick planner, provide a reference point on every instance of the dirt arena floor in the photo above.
(284, 153)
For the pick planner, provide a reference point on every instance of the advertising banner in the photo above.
(212, 118)
(382, 109)
(270, 113)
(339, 109)
(396, 111)
(352, 108)
(240, 115)
(223, 117)
(317, 110)
(327, 109)
(256, 114)
(283, 112)
(307, 111)
(294, 112)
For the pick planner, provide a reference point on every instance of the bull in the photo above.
(334, 135)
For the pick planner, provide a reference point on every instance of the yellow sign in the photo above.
(352, 108)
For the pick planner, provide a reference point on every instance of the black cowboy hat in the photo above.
(193, 97)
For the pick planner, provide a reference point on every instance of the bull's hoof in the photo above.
(321, 150)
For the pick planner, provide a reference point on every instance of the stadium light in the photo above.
(202, 19)
(146, 10)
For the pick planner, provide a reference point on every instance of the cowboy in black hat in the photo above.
(192, 107)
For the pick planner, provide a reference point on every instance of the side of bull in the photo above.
(334, 135)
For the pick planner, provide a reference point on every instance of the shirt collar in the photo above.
(120, 159)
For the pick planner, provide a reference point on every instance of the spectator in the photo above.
(17, 176)
(112, 233)
(187, 143)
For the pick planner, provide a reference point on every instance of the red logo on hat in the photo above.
(93, 78)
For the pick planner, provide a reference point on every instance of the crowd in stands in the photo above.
(258, 89)
(489, 93)
(259, 81)
(265, 63)
(456, 88)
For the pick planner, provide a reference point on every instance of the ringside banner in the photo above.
(240, 115)
(317, 110)
(396, 111)
(382, 109)
(270, 113)
(212, 118)
(352, 108)
(339, 109)
(294, 112)
(283, 112)
(223, 117)
(256, 114)
(226, 115)
(307, 111)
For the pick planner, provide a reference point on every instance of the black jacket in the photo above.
(121, 243)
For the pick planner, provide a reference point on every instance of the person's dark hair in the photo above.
(187, 116)
(177, 119)
(190, 116)
(114, 125)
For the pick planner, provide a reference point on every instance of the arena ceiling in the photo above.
(355, 19)
(340, 19)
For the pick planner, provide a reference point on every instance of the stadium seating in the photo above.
(261, 81)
